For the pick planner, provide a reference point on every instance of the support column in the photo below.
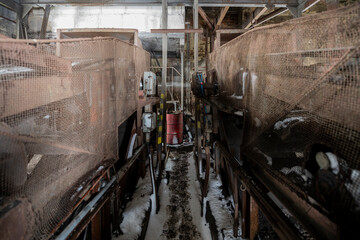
(45, 21)
(182, 79)
(18, 22)
(161, 128)
(196, 35)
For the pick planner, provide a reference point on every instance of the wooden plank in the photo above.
(200, 30)
(222, 16)
(96, 227)
(29, 56)
(256, 14)
(245, 215)
(269, 16)
(231, 31)
(254, 218)
(205, 17)
(125, 34)
(24, 94)
(45, 21)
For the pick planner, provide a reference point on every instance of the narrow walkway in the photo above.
(179, 215)
(180, 209)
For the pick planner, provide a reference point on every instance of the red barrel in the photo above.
(174, 128)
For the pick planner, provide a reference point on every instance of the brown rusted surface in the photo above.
(16, 215)
(254, 218)
(64, 100)
(299, 83)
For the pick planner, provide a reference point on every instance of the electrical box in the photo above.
(149, 84)
(148, 122)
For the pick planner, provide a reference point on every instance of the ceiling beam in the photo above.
(205, 17)
(221, 17)
(271, 15)
(11, 4)
(202, 3)
(255, 15)
(200, 30)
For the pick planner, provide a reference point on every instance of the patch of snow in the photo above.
(79, 188)
(268, 158)
(131, 147)
(240, 113)
(243, 81)
(254, 82)
(221, 209)
(334, 164)
(236, 97)
(33, 162)
(135, 210)
(286, 122)
(11, 70)
(47, 117)
(257, 122)
(100, 168)
(299, 154)
(175, 140)
(304, 173)
(353, 186)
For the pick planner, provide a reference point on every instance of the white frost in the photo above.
(305, 174)
(100, 168)
(254, 82)
(175, 140)
(286, 122)
(236, 97)
(243, 81)
(135, 210)
(334, 164)
(268, 158)
(220, 209)
(353, 187)
(11, 70)
(257, 122)
(131, 148)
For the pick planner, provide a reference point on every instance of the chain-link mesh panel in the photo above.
(299, 82)
(61, 103)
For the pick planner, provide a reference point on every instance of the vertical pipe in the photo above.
(206, 50)
(164, 73)
(188, 62)
(182, 79)
(18, 22)
(196, 36)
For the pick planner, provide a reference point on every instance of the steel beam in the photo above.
(203, 3)
(222, 16)
(177, 30)
(45, 21)
(255, 15)
(196, 36)
(205, 17)
(271, 15)
(11, 4)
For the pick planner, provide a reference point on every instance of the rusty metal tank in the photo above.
(174, 126)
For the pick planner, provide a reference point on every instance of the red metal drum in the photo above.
(174, 128)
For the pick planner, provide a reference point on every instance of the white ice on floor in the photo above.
(135, 210)
(221, 210)
(195, 198)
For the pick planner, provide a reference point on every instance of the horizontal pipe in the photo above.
(87, 209)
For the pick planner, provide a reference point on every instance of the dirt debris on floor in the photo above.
(179, 224)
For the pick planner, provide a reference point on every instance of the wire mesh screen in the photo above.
(299, 82)
(61, 103)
